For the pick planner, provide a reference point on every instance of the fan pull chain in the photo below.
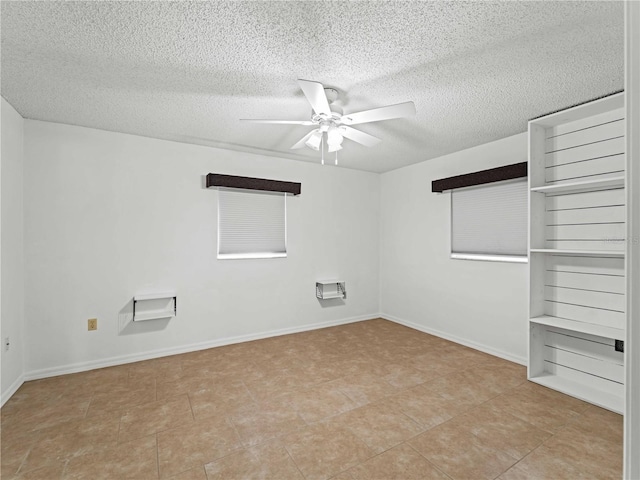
(322, 147)
(336, 158)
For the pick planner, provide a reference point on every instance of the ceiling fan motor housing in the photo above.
(334, 104)
(331, 93)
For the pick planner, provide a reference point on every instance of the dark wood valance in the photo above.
(508, 172)
(250, 183)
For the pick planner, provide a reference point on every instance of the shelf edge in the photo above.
(602, 253)
(154, 296)
(583, 327)
(583, 185)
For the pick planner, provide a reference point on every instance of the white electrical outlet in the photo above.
(7, 343)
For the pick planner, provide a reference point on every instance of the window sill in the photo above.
(490, 258)
(247, 256)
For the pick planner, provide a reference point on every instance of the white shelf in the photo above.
(332, 295)
(592, 253)
(582, 185)
(328, 289)
(590, 328)
(154, 296)
(153, 315)
(584, 392)
(329, 282)
(150, 313)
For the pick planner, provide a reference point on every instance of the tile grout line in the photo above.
(470, 432)
(525, 456)
(193, 416)
(157, 455)
(542, 444)
(293, 459)
(429, 461)
(521, 419)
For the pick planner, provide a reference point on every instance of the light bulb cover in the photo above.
(334, 137)
(334, 147)
(314, 140)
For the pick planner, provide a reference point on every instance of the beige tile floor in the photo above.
(369, 400)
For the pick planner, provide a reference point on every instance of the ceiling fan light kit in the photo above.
(330, 121)
(334, 139)
(314, 140)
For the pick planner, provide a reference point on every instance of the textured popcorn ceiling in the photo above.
(185, 71)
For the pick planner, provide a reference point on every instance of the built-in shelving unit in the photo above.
(153, 306)
(577, 230)
(327, 289)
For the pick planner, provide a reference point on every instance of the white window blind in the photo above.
(251, 224)
(490, 220)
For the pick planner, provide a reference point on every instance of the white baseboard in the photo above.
(456, 339)
(13, 388)
(123, 359)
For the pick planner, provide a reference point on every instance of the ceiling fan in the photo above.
(333, 124)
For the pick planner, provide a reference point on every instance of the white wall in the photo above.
(109, 215)
(632, 360)
(11, 251)
(481, 304)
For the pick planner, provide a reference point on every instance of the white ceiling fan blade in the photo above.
(301, 142)
(359, 137)
(279, 122)
(314, 91)
(389, 112)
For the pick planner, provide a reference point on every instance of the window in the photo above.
(251, 224)
(489, 222)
